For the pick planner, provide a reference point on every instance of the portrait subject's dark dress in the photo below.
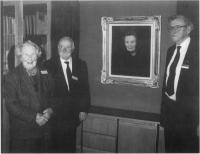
(123, 63)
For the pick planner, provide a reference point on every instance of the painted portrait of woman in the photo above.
(131, 51)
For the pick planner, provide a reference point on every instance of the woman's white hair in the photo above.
(18, 48)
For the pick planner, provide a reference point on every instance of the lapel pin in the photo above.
(185, 66)
(44, 72)
(74, 77)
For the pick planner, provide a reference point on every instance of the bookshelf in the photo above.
(9, 31)
(25, 20)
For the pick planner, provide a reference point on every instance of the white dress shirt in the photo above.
(64, 67)
(183, 50)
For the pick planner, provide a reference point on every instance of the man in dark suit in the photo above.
(28, 96)
(180, 100)
(72, 89)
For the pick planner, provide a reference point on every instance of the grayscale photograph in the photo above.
(87, 76)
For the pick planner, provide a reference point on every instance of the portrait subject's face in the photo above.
(29, 57)
(130, 43)
(65, 49)
(178, 30)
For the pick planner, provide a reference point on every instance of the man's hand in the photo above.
(47, 113)
(40, 119)
(82, 116)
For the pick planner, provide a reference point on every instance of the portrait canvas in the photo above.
(126, 62)
(131, 50)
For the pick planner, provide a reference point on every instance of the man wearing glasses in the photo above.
(179, 110)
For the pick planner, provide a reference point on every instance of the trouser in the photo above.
(64, 139)
(30, 145)
(179, 136)
(180, 141)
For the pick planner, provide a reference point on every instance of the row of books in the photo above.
(9, 25)
(8, 43)
(35, 24)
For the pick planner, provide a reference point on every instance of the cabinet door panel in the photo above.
(90, 150)
(161, 145)
(136, 137)
(100, 124)
(99, 142)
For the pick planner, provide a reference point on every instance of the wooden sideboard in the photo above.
(106, 131)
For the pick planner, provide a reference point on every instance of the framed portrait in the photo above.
(131, 50)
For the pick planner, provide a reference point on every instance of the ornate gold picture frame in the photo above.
(131, 50)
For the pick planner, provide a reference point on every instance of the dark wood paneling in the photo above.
(65, 22)
(5, 137)
(125, 113)
(190, 9)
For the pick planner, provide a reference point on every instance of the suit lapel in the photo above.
(169, 56)
(188, 54)
(186, 62)
(75, 77)
(74, 67)
(59, 74)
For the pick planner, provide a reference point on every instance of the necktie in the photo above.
(172, 73)
(69, 74)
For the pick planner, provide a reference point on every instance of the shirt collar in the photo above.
(185, 43)
(68, 60)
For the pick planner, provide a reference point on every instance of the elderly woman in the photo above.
(28, 92)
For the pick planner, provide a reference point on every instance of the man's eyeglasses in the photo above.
(176, 28)
(63, 47)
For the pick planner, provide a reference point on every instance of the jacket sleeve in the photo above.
(52, 100)
(194, 87)
(84, 102)
(163, 107)
(12, 100)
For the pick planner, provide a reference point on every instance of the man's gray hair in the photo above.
(67, 38)
(185, 19)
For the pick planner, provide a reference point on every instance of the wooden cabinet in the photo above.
(137, 136)
(106, 133)
(99, 134)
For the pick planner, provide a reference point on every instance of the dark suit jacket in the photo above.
(23, 102)
(184, 112)
(69, 104)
